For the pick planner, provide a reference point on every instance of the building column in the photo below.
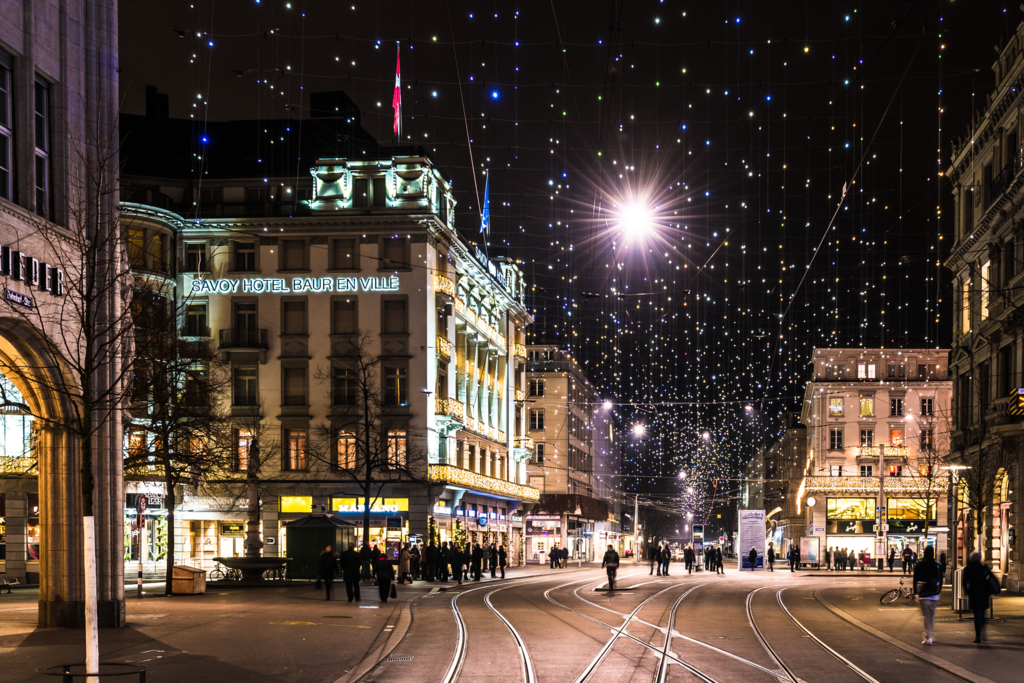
(61, 570)
(272, 527)
(16, 517)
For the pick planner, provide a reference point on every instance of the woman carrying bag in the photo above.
(927, 587)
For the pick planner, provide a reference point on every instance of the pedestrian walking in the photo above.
(771, 557)
(554, 556)
(446, 559)
(719, 567)
(493, 560)
(794, 558)
(653, 556)
(709, 552)
(752, 558)
(478, 558)
(365, 560)
(688, 558)
(458, 562)
(610, 563)
(666, 557)
(467, 561)
(385, 575)
(942, 567)
(328, 567)
(927, 587)
(852, 560)
(565, 557)
(351, 566)
(891, 559)
(414, 561)
(828, 558)
(502, 560)
(906, 555)
(432, 558)
(980, 585)
(404, 563)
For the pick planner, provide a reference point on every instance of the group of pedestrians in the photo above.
(558, 557)
(843, 559)
(353, 566)
(660, 557)
(433, 563)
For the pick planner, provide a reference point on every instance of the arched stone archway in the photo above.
(43, 382)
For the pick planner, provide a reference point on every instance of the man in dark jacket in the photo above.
(432, 558)
(328, 567)
(610, 563)
(892, 557)
(752, 558)
(366, 559)
(794, 558)
(350, 566)
(666, 557)
(565, 557)
(654, 553)
(719, 566)
(976, 585)
(446, 559)
(492, 558)
(385, 575)
(771, 557)
(458, 559)
(467, 561)
(688, 558)
(502, 560)
(478, 558)
(907, 556)
(553, 556)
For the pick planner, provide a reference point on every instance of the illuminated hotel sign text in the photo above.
(297, 285)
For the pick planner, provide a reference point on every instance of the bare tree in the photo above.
(178, 430)
(367, 441)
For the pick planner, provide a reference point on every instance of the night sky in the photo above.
(726, 130)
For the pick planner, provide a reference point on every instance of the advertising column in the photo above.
(751, 536)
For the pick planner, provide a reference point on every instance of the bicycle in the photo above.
(897, 593)
(219, 573)
(276, 574)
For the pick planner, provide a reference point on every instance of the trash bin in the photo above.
(188, 580)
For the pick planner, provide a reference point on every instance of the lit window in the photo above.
(346, 450)
(865, 371)
(986, 271)
(895, 470)
(965, 308)
(243, 441)
(835, 407)
(295, 449)
(867, 406)
(396, 449)
(895, 437)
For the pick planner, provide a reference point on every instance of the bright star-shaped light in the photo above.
(636, 220)
(638, 429)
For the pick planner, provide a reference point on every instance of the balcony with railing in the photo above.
(444, 285)
(519, 351)
(444, 347)
(449, 407)
(243, 338)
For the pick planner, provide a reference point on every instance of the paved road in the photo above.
(542, 625)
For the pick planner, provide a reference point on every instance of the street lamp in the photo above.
(639, 429)
(635, 220)
(607, 405)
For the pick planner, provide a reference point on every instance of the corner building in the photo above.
(377, 262)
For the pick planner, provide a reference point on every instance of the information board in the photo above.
(810, 550)
(751, 535)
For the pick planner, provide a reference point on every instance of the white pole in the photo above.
(142, 547)
(92, 642)
(636, 529)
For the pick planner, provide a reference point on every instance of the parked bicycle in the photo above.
(897, 593)
(222, 573)
(276, 574)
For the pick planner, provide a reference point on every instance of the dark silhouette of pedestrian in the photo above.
(771, 557)
(467, 561)
(610, 563)
(688, 558)
(907, 555)
(794, 558)
(446, 559)
(502, 560)
(328, 567)
(458, 561)
(478, 558)
(978, 581)
(666, 557)
(492, 558)
(432, 558)
(414, 561)
(351, 564)
(719, 567)
(366, 560)
(565, 557)
(404, 564)
(554, 556)
(752, 557)
(891, 560)
(385, 575)
(927, 587)
(653, 555)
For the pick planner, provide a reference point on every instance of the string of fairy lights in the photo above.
(699, 193)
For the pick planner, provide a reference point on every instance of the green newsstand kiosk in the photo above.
(307, 538)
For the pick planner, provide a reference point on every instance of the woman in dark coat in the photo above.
(976, 585)
(752, 556)
(492, 557)
(502, 560)
(385, 575)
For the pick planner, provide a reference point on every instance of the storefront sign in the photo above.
(442, 510)
(481, 520)
(911, 526)
(297, 285)
(232, 529)
(850, 526)
(394, 523)
(378, 506)
(42, 276)
(154, 501)
(269, 540)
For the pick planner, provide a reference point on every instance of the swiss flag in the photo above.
(396, 101)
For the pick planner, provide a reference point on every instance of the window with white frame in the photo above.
(835, 438)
